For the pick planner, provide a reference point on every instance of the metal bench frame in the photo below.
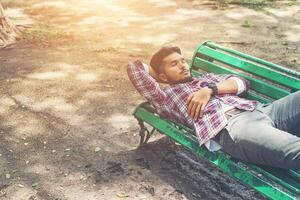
(269, 82)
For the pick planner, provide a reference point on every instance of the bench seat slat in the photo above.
(258, 85)
(270, 74)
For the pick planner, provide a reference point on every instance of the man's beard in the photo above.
(185, 80)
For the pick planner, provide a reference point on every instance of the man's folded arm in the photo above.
(145, 84)
(229, 83)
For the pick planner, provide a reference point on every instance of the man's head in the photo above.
(170, 66)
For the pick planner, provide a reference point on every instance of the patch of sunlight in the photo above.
(94, 1)
(123, 23)
(76, 120)
(126, 20)
(47, 75)
(3, 110)
(239, 15)
(5, 104)
(18, 16)
(56, 4)
(63, 7)
(76, 190)
(41, 169)
(293, 34)
(117, 9)
(163, 3)
(119, 121)
(88, 77)
(183, 14)
(93, 20)
(66, 66)
(15, 191)
(25, 100)
(157, 23)
(233, 32)
(195, 12)
(137, 18)
(27, 126)
(57, 104)
(157, 40)
(15, 13)
(284, 12)
(96, 95)
(6, 101)
(244, 13)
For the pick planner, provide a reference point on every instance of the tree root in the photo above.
(9, 33)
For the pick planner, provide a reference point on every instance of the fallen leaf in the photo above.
(122, 195)
(97, 149)
(109, 86)
(292, 47)
(35, 184)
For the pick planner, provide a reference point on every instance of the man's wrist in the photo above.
(213, 87)
(209, 91)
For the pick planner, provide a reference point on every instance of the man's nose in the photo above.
(181, 66)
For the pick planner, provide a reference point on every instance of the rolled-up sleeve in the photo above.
(243, 84)
(145, 84)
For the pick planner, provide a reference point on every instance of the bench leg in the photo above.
(145, 134)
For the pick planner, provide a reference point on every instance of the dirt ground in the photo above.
(66, 125)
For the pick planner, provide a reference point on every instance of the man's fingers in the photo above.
(193, 110)
(190, 105)
(189, 99)
(190, 108)
(197, 111)
(202, 110)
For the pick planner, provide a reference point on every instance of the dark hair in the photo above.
(158, 57)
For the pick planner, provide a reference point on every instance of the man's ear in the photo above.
(163, 78)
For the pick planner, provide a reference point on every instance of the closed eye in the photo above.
(174, 63)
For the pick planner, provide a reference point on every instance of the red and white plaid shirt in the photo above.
(171, 102)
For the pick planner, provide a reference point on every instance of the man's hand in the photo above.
(197, 102)
(153, 74)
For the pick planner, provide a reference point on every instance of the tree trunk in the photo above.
(8, 31)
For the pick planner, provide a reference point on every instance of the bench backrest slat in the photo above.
(250, 94)
(254, 59)
(251, 67)
(257, 85)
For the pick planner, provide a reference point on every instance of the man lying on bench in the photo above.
(212, 106)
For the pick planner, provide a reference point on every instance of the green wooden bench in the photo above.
(269, 82)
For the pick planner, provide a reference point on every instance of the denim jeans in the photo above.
(269, 135)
